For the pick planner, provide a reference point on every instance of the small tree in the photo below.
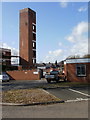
(44, 63)
(56, 62)
(73, 57)
(86, 56)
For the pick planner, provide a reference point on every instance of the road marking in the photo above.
(77, 100)
(80, 92)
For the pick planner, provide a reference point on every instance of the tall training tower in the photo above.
(27, 38)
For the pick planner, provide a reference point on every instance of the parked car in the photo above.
(4, 77)
(54, 76)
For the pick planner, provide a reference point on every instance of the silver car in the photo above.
(4, 77)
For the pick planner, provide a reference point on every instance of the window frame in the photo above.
(81, 74)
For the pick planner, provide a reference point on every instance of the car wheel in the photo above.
(49, 81)
(65, 79)
(57, 80)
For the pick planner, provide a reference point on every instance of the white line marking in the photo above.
(77, 99)
(80, 92)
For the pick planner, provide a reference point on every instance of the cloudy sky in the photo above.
(62, 28)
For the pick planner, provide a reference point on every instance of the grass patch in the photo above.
(26, 96)
(64, 84)
(71, 84)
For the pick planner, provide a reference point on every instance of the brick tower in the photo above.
(27, 38)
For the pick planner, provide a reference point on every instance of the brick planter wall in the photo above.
(24, 75)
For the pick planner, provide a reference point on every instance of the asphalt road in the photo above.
(62, 110)
(70, 94)
(62, 93)
(22, 84)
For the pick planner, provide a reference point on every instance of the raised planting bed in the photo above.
(27, 96)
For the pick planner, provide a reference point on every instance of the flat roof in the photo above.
(78, 60)
(5, 49)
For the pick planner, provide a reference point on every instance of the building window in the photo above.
(4, 53)
(33, 45)
(34, 27)
(34, 61)
(81, 70)
(34, 36)
(34, 54)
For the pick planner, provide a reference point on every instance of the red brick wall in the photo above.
(70, 70)
(24, 75)
(27, 17)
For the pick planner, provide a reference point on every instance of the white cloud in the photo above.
(53, 56)
(77, 44)
(78, 32)
(82, 9)
(79, 39)
(70, 38)
(80, 48)
(63, 4)
(56, 52)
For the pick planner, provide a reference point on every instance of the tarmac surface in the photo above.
(64, 93)
(60, 110)
(75, 106)
(22, 84)
(70, 94)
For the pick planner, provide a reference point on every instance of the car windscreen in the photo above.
(54, 72)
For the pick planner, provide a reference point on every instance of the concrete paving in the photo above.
(60, 110)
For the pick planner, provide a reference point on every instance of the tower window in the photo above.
(26, 23)
(33, 44)
(34, 54)
(34, 36)
(34, 27)
(34, 61)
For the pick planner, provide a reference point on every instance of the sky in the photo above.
(61, 28)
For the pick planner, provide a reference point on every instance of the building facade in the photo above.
(77, 70)
(27, 38)
(5, 57)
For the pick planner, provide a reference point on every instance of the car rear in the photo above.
(4, 78)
